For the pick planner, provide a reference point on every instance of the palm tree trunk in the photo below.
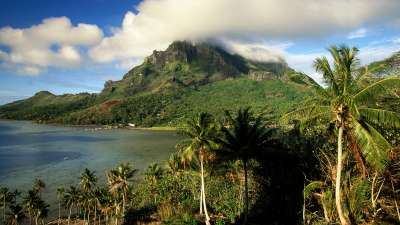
(59, 211)
(246, 193)
(95, 213)
(4, 207)
(69, 215)
(116, 213)
(88, 217)
(123, 204)
(201, 201)
(338, 197)
(203, 189)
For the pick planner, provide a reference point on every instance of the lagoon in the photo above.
(58, 154)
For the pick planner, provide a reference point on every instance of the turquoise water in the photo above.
(58, 154)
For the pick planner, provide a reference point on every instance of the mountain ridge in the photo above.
(171, 86)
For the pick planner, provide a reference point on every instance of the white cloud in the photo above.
(29, 70)
(54, 42)
(373, 53)
(271, 52)
(129, 63)
(303, 62)
(359, 33)
(159, 22)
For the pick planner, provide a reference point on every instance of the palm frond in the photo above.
(305, 113)
(373, 145)
(322, 65)
(381, 117)
(377, 88)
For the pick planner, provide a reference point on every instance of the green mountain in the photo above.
(170, 86)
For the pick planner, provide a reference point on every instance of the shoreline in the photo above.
(94, 127)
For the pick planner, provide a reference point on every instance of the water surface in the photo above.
(59, 154)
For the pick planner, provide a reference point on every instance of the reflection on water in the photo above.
(59, 154)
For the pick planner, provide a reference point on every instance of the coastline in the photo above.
(95, 127)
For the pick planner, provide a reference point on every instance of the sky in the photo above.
(75, 46)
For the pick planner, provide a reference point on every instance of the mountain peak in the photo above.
(43, 93)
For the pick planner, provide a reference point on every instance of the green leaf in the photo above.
(381, 117)
(373, 145)
(377, 88)
(311, 187)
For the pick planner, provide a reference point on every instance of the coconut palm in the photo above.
(60, 196)
(15, 215)
(88, 180)
(5, 198)
(119, 180)
(154, 172)
(174, 163)
(95, 202)
(70, 199)
(29, 202)
(106, 203)
(201, 132)
(346, 103)
(243, 137)
(39, 186)
(40, 211)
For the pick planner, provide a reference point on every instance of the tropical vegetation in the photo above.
(331, 158)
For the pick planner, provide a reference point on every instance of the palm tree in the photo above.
(346, 103)
(39, 186)
(5, 197)
(88, 180)
(201, 132)
(95, 200)
(119, 180)
(154, 172)
(15, 195)
(105, 203)
(15, 216)
(29, 202)
(40, 211)
(60, 196)
(174, 163)
(70, 199)
(242, 138)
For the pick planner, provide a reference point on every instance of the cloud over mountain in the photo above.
(54, 42)
(159, 22)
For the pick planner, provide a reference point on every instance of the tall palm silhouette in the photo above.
(5, 198)
(88, 180)
(119, 180)
(106, 203)
(39, 186)
(15, 215)
(243, 137)
(349, 105)
(60, 196)
(200, 132)
(70, 199)
(29, 202)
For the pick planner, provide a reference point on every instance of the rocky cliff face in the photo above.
(187, 64)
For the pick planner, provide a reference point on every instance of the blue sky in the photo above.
(75, 46)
